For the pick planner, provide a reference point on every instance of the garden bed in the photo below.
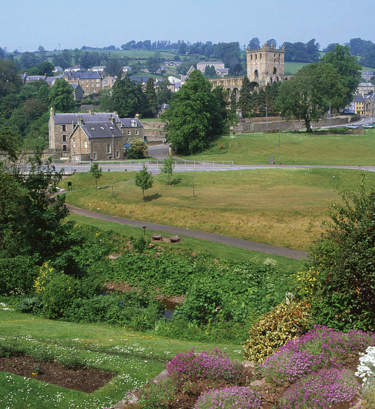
(81, 378)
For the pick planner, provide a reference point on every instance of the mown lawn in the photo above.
(295, 148)
(283, 207)
(135, 357)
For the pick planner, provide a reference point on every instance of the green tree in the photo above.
(9, 79)
(137, 150)
(144, 180)
(61, 96)
(210, 71)
(32, 215)
(9, 141)
(246, 102)
(344, 297)
(309, 94)
(168, 169)
(349, 71)
(96, 172)
(152, 102)
(163, 93)
(195, 115)
(44, 68)
(128, 99)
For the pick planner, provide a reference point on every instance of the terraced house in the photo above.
(92, 136)
(90, 82)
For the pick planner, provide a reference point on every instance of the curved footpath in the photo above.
(197, 234)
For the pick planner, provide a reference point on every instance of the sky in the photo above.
(54, 24)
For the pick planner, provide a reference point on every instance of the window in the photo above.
(108, 148)
(94, 155)
(137, 132)
(117, 154)
(64, 148)
(86, 145)
(64, 138)
(74, 144)
(64, 128)
(129, 132)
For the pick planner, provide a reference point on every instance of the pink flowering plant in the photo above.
(235, 397)
(204, 365)
(321, 390)
(321, 347)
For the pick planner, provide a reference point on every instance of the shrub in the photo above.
(45, 275)
(274, 329)
(132, 310)
(345, 257)
(229, 398)
(307, 283)
(139, 244)
(202, 303)
(321, 390)
(321, 347)
(17, 275)
(30, 304)
(157, 396)
(204, 365)
(58, 294)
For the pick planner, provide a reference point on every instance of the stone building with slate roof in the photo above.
(96, 136)
(90, 81)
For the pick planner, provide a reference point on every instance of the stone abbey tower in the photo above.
(264, 66)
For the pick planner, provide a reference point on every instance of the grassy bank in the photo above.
(295, 148)
(214, 250)
(135, 357)
(279, 207)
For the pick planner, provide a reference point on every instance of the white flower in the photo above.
(366, 367)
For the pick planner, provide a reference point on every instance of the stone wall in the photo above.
(274, 124)
(154, 132)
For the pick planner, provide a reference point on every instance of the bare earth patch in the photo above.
(81, 379)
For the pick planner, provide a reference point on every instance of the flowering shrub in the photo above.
(207, 364)
(274, 329)
(318, 348)
(229, 398)
(46, 273)
(307, 282)
(321, 390)
(366, 367)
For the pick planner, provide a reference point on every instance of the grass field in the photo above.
(135, 357)
(279, 207)
(292, 68)
(295, 148)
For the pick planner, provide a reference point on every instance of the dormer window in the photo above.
(133, 123)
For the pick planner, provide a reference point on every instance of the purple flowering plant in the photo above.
(204, 365)
(321, 390)
(320, 347)
(235, 397)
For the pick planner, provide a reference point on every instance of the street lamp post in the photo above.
(144, 232)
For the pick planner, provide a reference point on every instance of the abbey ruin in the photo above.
(264, 66)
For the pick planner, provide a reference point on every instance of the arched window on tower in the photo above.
(256, 74)
(274, 70)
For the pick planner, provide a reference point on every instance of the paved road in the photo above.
(195, 166)
(197, 234)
